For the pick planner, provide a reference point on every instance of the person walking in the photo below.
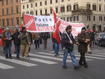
(16, 39)
(45, 37)
(36, 40)
(25, 42)
(68, 43)
(55, 46)
(7, 37)
(83, 39)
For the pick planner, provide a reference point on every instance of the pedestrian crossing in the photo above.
(43, 58)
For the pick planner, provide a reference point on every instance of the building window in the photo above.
(100, 18)
(62, 0)
(36, 12)
(63, 18)
(62, 9)
(31, 12)
(75, 7)
(11, 10)
(88, 18)
(17, 20)
(67, 18)
(77, 18)
(6, 2)
(104, 18)
(17, 0)
(93, 18)
(50, 1)
(40, 12)
(94, 7)
(51, 10)
(74, 18)
(27, 6)
(45, 2)
(7, 11)
(7, 22)
(31, 5)
(104, 8)
(27, 12)
(17, 9)
(88, 6)
(70, 18)
(40, 3)
(12, 21)
(56, 9)
(3, 22)
(2, 2)
(36, 4)
(2, 12)
(100, 7)
(23, 7)
(68, 8)
(56, 1)
(45, 11)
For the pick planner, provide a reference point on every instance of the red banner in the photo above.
(39, 23)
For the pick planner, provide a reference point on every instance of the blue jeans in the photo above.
(17, 48)
(7, 50)
(56, 48)
(73, 57)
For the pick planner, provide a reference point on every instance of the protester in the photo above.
(36, 40)
(68, 43)
(16, 39)
(45, 37)
(31, 40)
(25, 42)
(55, 46)
(7, 37)
(83, 39)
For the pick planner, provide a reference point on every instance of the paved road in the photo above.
(43, 65)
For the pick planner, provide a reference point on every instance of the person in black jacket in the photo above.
(68, 43)
(17, 43)
(83, 39)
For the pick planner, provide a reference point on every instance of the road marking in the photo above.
(89, 56)
(52, 58)
(46, 57)
(18, 62)
(4, 66)
(96, 55)
(42, 61)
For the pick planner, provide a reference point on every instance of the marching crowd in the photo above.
(22, 41)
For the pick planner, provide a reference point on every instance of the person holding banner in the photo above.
(45, 37)
(68, 43)
(55, 45)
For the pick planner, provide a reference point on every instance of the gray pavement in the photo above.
(43, 65)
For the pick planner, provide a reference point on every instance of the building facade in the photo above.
(89, 12)
(10, 13)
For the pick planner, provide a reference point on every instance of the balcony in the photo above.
(82, 12)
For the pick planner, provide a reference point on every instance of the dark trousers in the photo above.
(45, 44)
(82, 60)
(17, 49)
(7, 51)
(36, 42)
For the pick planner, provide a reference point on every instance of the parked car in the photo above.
(100, 39)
